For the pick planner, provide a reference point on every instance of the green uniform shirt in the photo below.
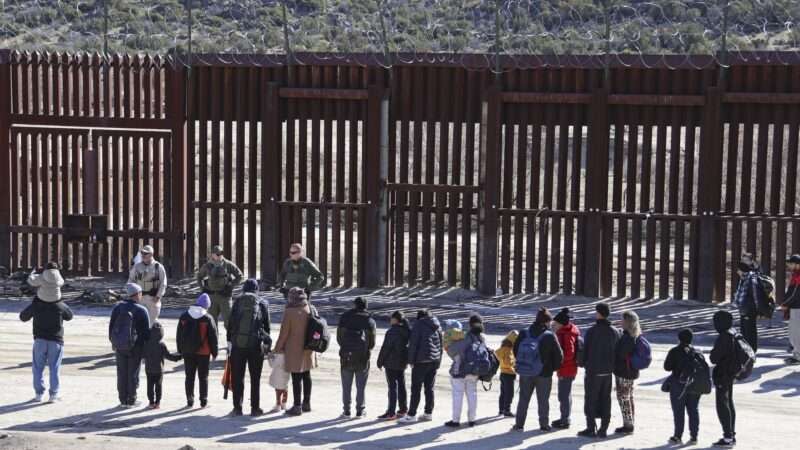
(302, 273)
(219, 275)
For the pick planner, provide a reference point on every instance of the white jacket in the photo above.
(48, 285)
(279, 378)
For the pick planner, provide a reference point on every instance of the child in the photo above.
(154, 353)
(197, 342)
(453, 332)
(279, 379)
(507, 374)
(393, 357)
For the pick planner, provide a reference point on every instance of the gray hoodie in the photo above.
(48, 285)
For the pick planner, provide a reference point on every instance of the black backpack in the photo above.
(123, 334)
(249, 332)
(744, 358)
(696, 375)
(318, 338)
(189, 337)
(765, 300)
(353, 350)
(494, 366)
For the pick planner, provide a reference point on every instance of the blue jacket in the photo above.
(140, 318)
(425, 344)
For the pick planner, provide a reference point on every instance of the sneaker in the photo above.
(157, 406)
(402, 413)
(135, 404)
(675, 440)
(560, 424)
(54, 398)
(425, 418)
(306, 407)
(276, 408)
(387, 416)
(471, 424)
(203, 403)
(725, 442)
(409, 419)
(255, 412)
(452, 424)
(792, 361)
(190, 403)
(38, 398)
(236, 412)
(361, 413)
(517, 429)
(295, 410)
(589, 433)
(693, 440)
(602, 433)
(545, 428)
(507, 414)
(345, 414)
(624, 430)
(151, 406)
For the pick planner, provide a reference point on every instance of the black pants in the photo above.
(750, 331)
(301, 388)
(725, 410)
(506, 391)
(682, 406)
(423, 374)
(253, 360)
(128, 366)
(196, 364)
(396, 380)
(154, 387)
(597, 400)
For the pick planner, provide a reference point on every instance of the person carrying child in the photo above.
(155, 351)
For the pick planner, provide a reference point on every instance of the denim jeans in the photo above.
(565, 397)
(46, 353)
(347, 388)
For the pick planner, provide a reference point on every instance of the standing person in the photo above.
(356, 338)
(791, 305)
(538, 355)
(279, 380)
(198, 342)
(291, 343)
(624, 371)
(723, 356)
(508, 377)
(299, 271)
(393, 359)
(154, 353)
(464, 383)
(425, 357)
(151, 277)
(682, 397)
(569, 337)
(248, 329)
(745, 299)
(128, 330)
(48, 313)
(598, 362)
(218, 278)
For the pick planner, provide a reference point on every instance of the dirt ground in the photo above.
(88, 416)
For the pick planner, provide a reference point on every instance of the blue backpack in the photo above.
(529, 361)
(123, 333)
(477, 360)
(642, 354)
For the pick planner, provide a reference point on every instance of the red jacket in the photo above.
(568, 340)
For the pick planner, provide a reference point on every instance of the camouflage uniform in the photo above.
(218, 279)
(302, 273)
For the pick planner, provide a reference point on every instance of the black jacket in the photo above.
(394, 351)
(357, 320)
(261, 335)
(425, 343)
(197, 317)
(791, 299)
(622, 358)
(48, 319)
(155, 351)
(677, 359)
(549, 350)
(600, 348)
(140, 319)
(723, 355)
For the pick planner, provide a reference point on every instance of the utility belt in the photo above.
(228, 290)
(152, 292)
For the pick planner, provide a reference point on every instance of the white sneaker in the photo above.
(425, 418)
(54, 398)
(276, 408)
(38, 398)
(408, 419)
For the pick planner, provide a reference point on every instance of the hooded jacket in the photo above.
(457, 349)
(505, 354)
(198, 318)
(623, 355)
(48, 285)
(600, 349)
(394, 351)
(48, 319)
(723, 355)
(791, 299)
(568, 340)
(549, 350)
(258, 335)
(155, 351)
(678, 359)
(425, 343)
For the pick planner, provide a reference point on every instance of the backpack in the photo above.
(476, 359)
(317, 335)
(765, 300)
(642, 354)
(493, 368)
(189, 339)
(248, 331)
(529, 361)
(696, 375)
(353, 351)
(123, 334)
(744, 358)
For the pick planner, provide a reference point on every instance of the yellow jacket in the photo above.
(506, 355)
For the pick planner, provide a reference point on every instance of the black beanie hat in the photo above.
(543, 316)
(398, 315)
(361, 303)
(603, 309)
(563, 316)
(685, 336)
(475, 318)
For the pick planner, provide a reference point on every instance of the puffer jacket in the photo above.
(48, 285)
(155, 351)
(600, 349)
(505, 354)
(568, 339)
(622, 358)
(394, 351)
(723, 354)
(425, 344)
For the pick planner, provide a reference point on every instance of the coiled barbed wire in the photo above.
(496, 34)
